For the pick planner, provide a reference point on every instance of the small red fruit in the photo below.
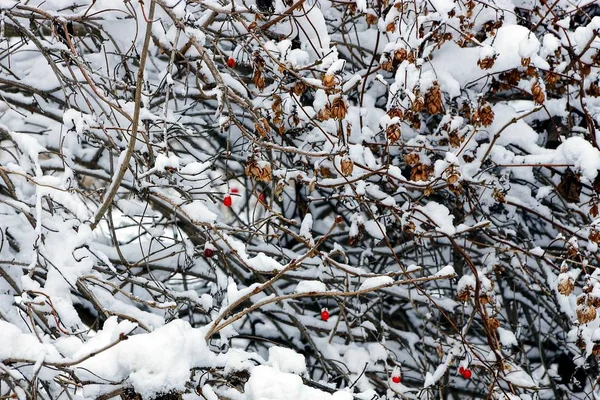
(234, 190)
(396, 379)
(261, 198)
(231, 62)
(465, 372)
(208, 253)
(227, 201)
(324, 314)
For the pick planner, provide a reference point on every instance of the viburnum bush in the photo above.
(299, 199)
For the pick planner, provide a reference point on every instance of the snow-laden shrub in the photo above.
(299, 199)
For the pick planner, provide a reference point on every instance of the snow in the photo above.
(264, 263)
(529, 46)
(195, 168)
(375, 229)
(377, 352)
(268, 383)
(163, 161)
(23, 345)
(28, 145)
(234, 84)
(199, 212)
(447, 270)
(146, 268)
(439, 215)
(487, 52)
(310, 286)
(287, 360)
(114, 305)
(136, 359)
(306, 227)
(376, 281)
(443, 7)
(579, 152)
(464, 69)
(239, 360)
(507, 338)
(336, 66)
(520, 378)
(75, 120)
(149, 371)
(466, 282)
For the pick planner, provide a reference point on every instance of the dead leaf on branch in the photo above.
(569, 187)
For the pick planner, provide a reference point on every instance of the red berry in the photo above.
(461, 370)
(227, 201)
(208, 253)
(324, 314)
(396, 379)
(466, 373)
(231, 62)
(234, 190)
(261, 198)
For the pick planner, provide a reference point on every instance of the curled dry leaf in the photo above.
(339, 108)
(569, 187)
(453, 177)
(538, 93)
(418, 104)
(483, 116)
(386, 64)
(486, 63)
(258, 79)
(433, 99)
(594, 235)
(325, 113)
(328, 81)
(371, 19)
(494, 323)
(566, 284)
(421, 172)
(259, 170)
(347, 166)
(395, 112)
(585, 313)
(262, 127)
(393, 133)
(400, 55)
(412, 159)
(299, 88)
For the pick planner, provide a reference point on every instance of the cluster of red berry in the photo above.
(465, 372)
(228, 201)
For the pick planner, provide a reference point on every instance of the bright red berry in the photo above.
(231, 62)
(234, 190)
(465, 372)
(396, 379)
(227, 201)
(324, 314)
(261, 198)
(208, 253)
